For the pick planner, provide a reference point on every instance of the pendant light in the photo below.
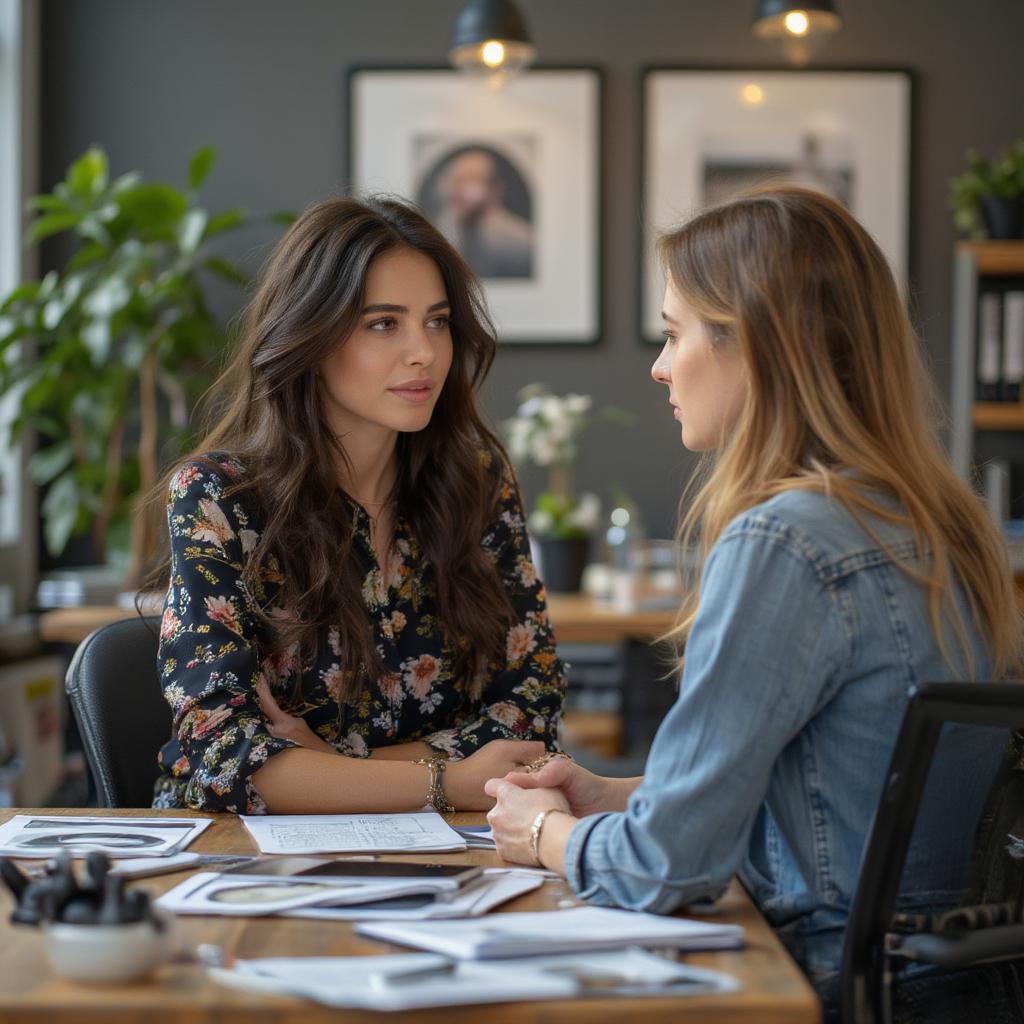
(490, 38)
(801, 26)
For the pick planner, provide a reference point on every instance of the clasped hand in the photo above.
(463, 781)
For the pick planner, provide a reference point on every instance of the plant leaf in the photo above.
(87, 176)
(228, 271)
(96, 338)
(225, 220)
(200, 166)
(87, 254)
(153, 210)
(50, 462)
(60, 512)
(190, 231)
(47, 203)
(51, 224)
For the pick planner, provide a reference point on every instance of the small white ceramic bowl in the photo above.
(107, 952)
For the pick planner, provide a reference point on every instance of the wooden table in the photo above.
(577, 619)
(773, 989)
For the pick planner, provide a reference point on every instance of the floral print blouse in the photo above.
(212, 652)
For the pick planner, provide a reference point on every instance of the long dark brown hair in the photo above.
(269, 418)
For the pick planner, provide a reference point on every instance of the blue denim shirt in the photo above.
(772, 759)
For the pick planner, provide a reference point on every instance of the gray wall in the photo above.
(263, 80)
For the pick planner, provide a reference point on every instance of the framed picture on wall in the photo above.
(711, 133)
(510, 175)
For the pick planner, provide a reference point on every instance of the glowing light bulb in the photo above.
(797, 23)
(493, 53)
(752, 94)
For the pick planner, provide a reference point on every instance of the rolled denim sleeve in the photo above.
(767, 638)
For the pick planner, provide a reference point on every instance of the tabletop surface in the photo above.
(576, 618)
(773, 991)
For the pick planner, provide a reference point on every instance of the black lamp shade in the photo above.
(481, 20)
(773, 8)
(821, 20)
(490, 37)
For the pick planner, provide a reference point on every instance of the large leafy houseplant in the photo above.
(107, 356)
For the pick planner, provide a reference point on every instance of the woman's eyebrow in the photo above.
(389, 307)
(667, 318)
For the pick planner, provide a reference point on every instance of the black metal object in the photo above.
(113, 687)
(866, 960)
(58, 896)
(773, 8)
(481, 20)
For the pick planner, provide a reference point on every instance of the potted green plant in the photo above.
(108, 355)
(544, 432)
(987, 200)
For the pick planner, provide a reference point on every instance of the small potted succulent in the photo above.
(987, 200)
(544, 432)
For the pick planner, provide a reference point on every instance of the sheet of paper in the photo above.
(240, 896)
(144, 867)
(362, 981)
(37, 835)
(577, 930)
(419, 832)
(471, 901)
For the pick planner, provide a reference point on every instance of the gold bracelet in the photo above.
(535, 830)
(435, 790)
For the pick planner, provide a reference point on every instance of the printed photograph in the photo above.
(481, 199)
(268, 893)
(823, 165)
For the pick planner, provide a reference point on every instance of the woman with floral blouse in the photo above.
(352, 621)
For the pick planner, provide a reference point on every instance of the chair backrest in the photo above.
(114, 690)
(932, 705)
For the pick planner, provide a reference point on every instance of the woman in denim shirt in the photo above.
(845, 562)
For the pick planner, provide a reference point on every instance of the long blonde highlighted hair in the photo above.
(839, 399)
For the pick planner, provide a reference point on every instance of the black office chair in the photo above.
(114, 691)
(989, 928)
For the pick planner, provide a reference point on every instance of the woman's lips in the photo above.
(414, 393)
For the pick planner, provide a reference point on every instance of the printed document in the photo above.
(577, 930)
(420, 832)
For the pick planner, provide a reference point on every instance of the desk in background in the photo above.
(773, 989)
(577, 619)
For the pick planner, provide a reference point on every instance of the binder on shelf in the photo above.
(1013, 345)
(989, 347)
(996, 485)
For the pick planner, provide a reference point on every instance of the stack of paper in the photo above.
(339, 898)
(581, 929)
(39, 835)
(495, 887)
(376, 982)
(421, 832)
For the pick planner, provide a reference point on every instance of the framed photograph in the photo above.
(510, 175)
(710, 133)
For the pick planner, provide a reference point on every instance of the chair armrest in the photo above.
(962, 949)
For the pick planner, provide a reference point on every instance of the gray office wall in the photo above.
(263, 80)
